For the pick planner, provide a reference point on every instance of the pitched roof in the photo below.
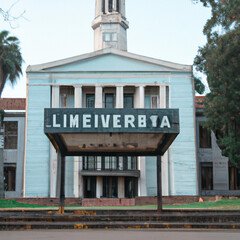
(174, 66)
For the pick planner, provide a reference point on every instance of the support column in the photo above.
(140, 103)
(121, 189)
(98, 97)
(106, 6)
(159, 184)
(162, 96)
(122, 8)
(119, 97)
(114, 5)
(77, 179)
(165, 161)
(53, 153)
(99, 187)
(98, 8)
(62, 184)
(2, 190)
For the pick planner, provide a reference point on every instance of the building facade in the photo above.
(13, 146)
(216, 174)
(110, 77)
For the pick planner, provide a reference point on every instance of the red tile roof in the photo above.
(12, 103)
(199, 102)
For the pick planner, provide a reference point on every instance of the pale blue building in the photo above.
(110, 77)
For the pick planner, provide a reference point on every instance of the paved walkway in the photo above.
(119, 235)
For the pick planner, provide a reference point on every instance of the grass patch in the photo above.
(228, 204)
(223, 204)
(6, 203)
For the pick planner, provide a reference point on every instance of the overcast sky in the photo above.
(55, 29)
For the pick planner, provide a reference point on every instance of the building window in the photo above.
(118, 6)
(110, 5)
(204, 137)
(128, 101)
(89, 163)
(110, 37)
(234, 178)
(151, 101)
(103, 6)
(10, 177)
(206, 176)
(90, 100)
(130, 163)
(110, 163)
(10, 135)
(67, 97)
(109, 100)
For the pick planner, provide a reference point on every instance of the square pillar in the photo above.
(98, 97)
(139, 102)
(99, 187)
(53, 154)
(106, 6)
(165, 157)
(162, 96)
(119, 97)
(121, 187)
(77, 180)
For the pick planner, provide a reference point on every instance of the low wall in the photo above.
(138, 201)
(89, 202)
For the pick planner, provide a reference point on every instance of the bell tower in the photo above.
(110, 25)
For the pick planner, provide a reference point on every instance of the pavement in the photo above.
(119, 235)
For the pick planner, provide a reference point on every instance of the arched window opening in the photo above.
(110, 5)
(103, 6)
(118, 6)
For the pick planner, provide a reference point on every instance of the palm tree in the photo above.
(10, 59)
(10, 70)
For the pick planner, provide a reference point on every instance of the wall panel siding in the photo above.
(37, 144)
(183, 151)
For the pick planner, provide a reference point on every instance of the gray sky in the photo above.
(55, 29)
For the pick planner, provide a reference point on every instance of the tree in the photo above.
(10, 69)
(10, 59)
(219, 59)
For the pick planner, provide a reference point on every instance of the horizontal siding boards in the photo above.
(183, 151)
(37, 147)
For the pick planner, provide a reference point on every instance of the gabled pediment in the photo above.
(109, 60)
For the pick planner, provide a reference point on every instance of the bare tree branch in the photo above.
(10, 18)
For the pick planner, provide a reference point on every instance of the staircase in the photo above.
(115, 219)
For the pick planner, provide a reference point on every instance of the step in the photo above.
(114, 225)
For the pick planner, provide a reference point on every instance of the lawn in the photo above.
(223, 204)
(6, 203)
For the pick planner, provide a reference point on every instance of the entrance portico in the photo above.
(111, 132)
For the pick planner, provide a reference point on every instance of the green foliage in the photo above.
(10, 59)
(199, 86)
(219, 59)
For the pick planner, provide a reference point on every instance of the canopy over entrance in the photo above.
(109, 132)
(138, 132)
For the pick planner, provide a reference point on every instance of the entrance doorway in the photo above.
(89, 187)
(110, 187)
(131, 187)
